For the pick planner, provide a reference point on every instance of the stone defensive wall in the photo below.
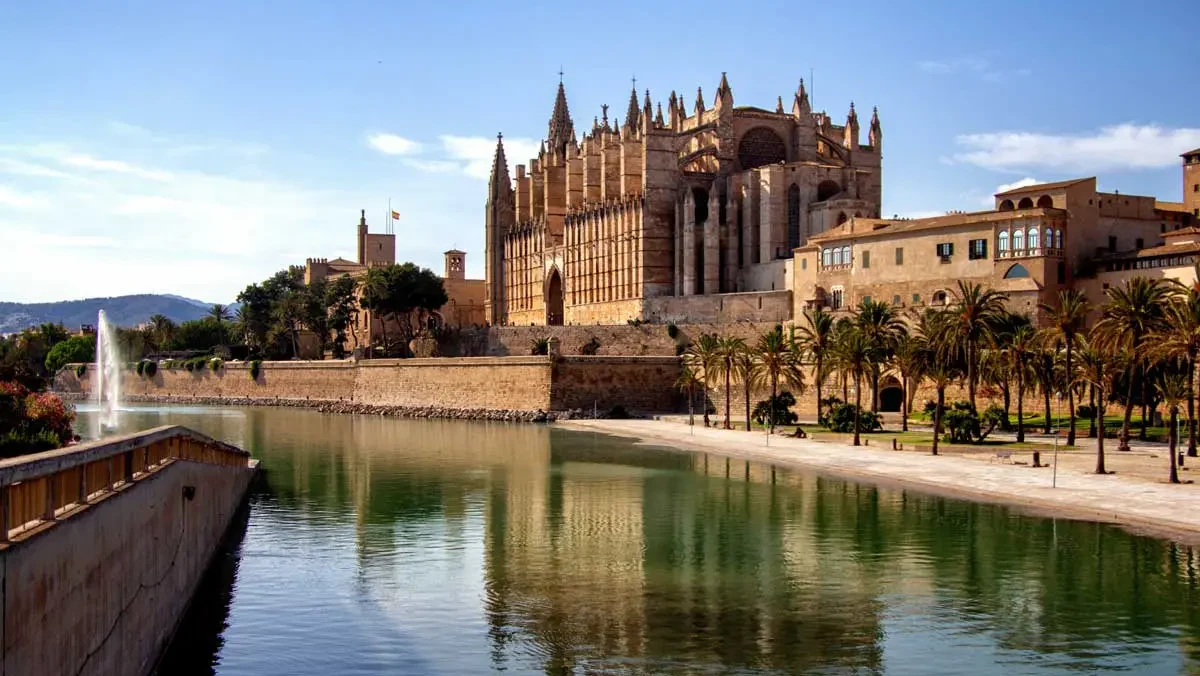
(103, 545)
(438, 386)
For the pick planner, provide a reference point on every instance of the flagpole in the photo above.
(389, 216)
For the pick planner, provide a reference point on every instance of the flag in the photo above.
(395, 215)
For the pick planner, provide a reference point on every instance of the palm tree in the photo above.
(1179, 340)
(975, 312)
(777, 359)
(1066, 321)
(855, 352)
(1045, 371)
(880, 326)
(1020, 347)
(816, 337)
(163, 330)
(1134, 310)
(689, 382)
(220, 314)
(941, 359)
(744, 371)
(702, 358)
(1095, 369)
(728, 351)
(1174, 389)
(908, 362)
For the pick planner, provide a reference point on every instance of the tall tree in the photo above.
(404, 294)
(1178, 340)
(908, 363)
(1133, 312)
(1066, 320)
(728, 351)
(702, 357)
(1021, 347)
(942, 357)
(777, 359)
(881, 327)
(974, 313)
(689, 382)
(855, 353)
(1174, 389)
(1095, 369)
(815, 337)
(163, 330)
(342, 302)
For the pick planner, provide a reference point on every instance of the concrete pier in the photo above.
(103, 544)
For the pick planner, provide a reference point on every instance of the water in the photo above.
(107, 393)
(382, 546)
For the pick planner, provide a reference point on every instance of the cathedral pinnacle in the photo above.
(875, 135)
(800, 105)
(561, 126)
(658, 117)
(631, 114)
(699, 100)
(499, 182)
(779, 105)
(724, 92)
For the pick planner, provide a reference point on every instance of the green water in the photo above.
(382, 546)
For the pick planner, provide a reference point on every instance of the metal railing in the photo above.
(40, 488)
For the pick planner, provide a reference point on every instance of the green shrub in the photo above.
(140, 368)
(634, 322)
(618, 412)
(215, 364)
(540, 346)
(672, 331)
(680, 348)
(255, 369)
(841, 419)
(74, 350)
(777, 409)
(590, 347)
(80, 370)
(1085, 411)
(150, 369)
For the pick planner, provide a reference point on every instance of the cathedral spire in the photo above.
(851, 136)
(631, 113)
(658, 117)
(499, 179)
(875, 135)
(561, 126)
(724, 93)
(699, 100)
(779, 105)
(800, 105)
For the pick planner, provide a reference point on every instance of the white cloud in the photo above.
(391, 144)
(475, 153)
(1123, 146)
(976, 66)
(433, 166)
(22, 168)
(12, 198)
(84, 161)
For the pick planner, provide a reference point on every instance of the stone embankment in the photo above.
(324, 406)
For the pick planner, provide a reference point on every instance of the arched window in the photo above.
(761, 146)
(825, 257)
(793, 216)
(1045, 202)
(1049, 243)
(1025, 203)
(1018, 240)
(1003, 245)
(1017, 271)
(1006, 205)
(846, 255)
(939, 297)
(1058, 238)
(1033, 238)
(837, 256)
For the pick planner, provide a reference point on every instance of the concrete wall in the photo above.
(101, 590)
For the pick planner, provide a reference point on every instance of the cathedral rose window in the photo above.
(761, 146)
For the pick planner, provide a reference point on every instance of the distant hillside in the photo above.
(122, 310)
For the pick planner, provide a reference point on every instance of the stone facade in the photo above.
(1191, 184)
(679, 206)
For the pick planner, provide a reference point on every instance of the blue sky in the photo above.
(193, 148)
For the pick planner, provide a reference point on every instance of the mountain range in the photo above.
(124, 311)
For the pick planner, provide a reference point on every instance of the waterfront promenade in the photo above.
(1129, 497)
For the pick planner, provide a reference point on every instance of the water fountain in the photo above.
(106, 390)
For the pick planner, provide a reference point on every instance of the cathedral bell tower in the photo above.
(500, 217)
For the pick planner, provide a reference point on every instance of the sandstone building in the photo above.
(671, 216)
(464, 307)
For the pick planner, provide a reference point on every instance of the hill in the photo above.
(122, 310)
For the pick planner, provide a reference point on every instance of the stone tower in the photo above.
(456, 264)
(362, 238)
(499, 219)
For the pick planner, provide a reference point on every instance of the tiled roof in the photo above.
(856, 228)
(1170, 206)
(1191, 152)
(1044, 186)
(1182, 248)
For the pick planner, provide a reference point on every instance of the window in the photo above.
(939, 298)
(1058, 238)
(866, 258)
(1003, 243)
(977, 249)
(916, 298)
(1162, 227)
(1018, 240)
(1016, 272)
(837, 256)
(804, 263)
(1062, 272)
(899, 255)
(1033, 239)
(835, 301)
(1049, 243)
(1112, 243)
(846, 255)
(945, 249)
(866, 299)
(825, 257)
(1139, 243)
(1196, 187)
(896, 300)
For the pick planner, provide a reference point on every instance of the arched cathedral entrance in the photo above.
(554, 299)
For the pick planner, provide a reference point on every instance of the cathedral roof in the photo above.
(1040, 187)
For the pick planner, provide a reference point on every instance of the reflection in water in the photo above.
(391, 546)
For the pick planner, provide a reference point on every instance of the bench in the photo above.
(1003, 455)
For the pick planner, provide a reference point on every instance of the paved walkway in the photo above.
(1142, 504)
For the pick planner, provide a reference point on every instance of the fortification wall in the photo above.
(636, 383)
(516, 383)
(101, 589)
(610, 339)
